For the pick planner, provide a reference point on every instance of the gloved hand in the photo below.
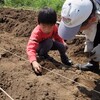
(95, 53)
(88, 46)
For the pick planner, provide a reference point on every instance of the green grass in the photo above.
(35, 4)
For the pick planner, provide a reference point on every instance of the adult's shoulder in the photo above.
(97, 4)
(98, 1)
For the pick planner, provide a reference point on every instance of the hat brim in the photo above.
(67, 33)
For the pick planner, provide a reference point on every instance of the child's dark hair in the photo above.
(91, 15)
(47, 16)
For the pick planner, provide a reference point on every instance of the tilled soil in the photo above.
(58, 82)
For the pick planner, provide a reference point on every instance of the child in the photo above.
(84, 16)
(44, 38)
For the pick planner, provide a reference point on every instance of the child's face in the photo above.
(46, 28)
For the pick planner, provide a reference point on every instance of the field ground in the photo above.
(58, 82)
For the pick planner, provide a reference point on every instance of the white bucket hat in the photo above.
(74, 13)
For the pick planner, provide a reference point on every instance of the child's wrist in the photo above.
(34, 61)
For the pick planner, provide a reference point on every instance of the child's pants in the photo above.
(50, 44)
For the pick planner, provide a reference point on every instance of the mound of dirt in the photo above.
(18, 22)
(58, 82)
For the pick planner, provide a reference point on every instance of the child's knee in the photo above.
(49, 42)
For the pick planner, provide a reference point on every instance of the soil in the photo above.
(58, 82)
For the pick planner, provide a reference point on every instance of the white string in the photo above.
(6, 93)
(52, 72)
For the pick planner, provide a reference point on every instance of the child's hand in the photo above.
(66, 46)
(37, 68)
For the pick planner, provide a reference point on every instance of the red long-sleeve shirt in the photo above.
(36, 37)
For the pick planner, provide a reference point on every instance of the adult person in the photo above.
(84, 16)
